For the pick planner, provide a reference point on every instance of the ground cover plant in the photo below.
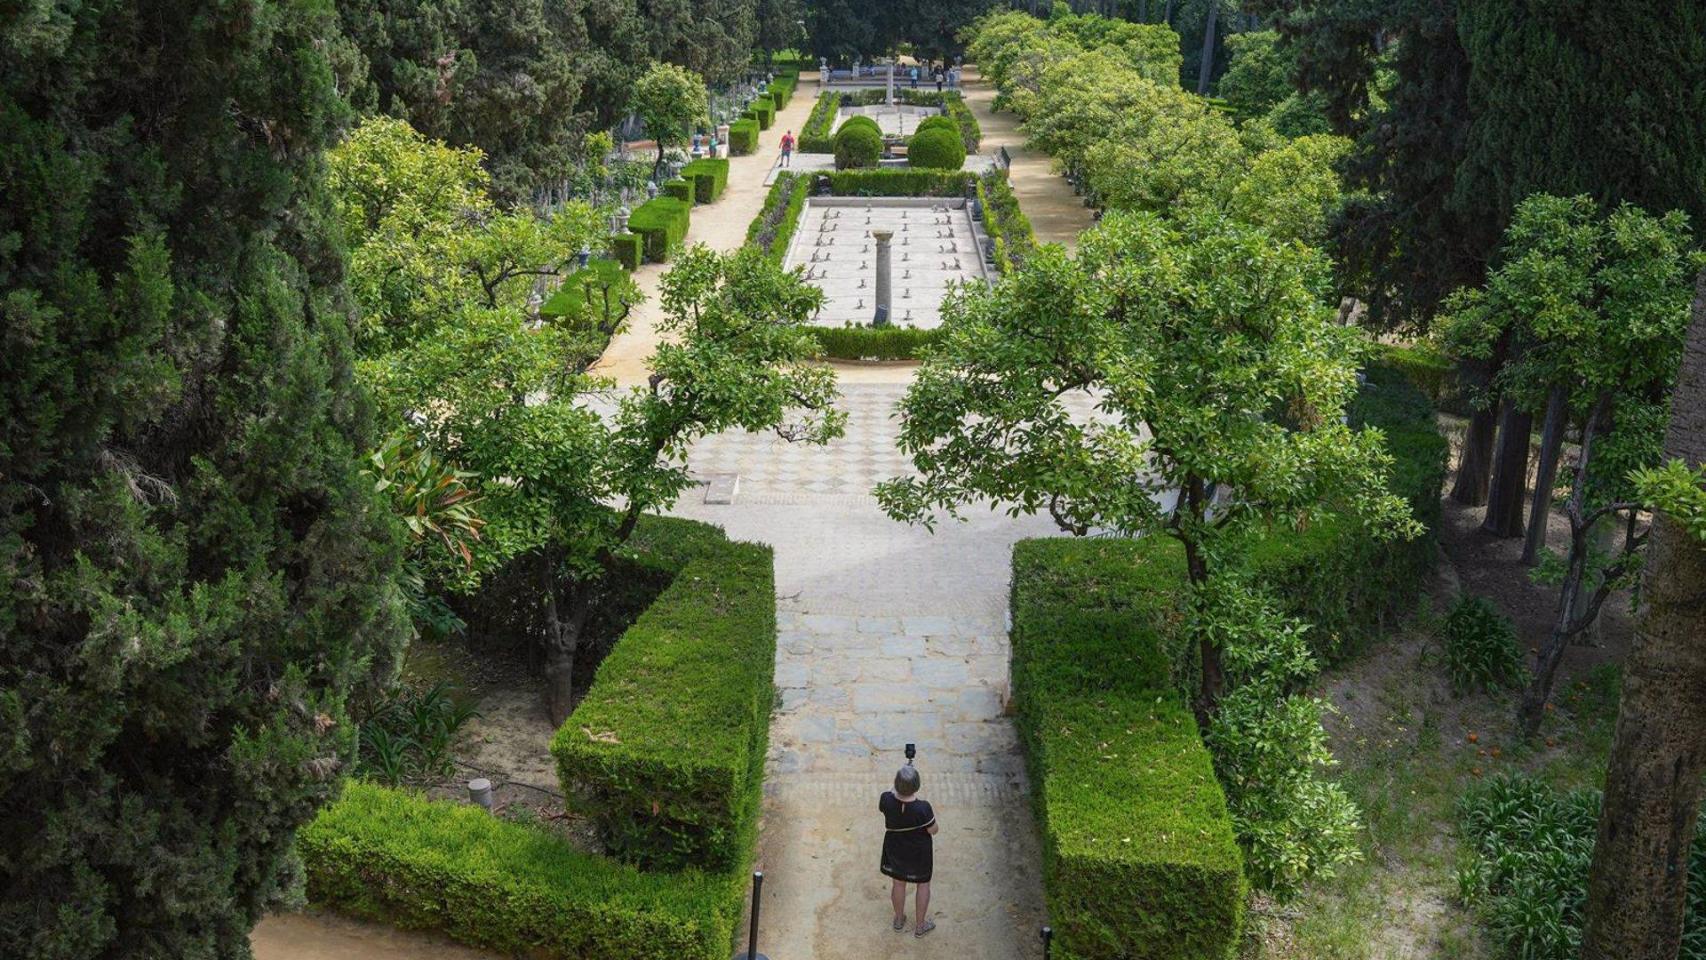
(1481, 649)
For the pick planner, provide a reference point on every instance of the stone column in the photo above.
(882, 237)
(891, 84)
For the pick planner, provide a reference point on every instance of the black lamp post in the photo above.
(751, 951)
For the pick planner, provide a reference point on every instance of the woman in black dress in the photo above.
(906, 846)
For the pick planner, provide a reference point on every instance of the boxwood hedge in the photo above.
(780, 216)
(665, 753)
(743, 137)
(709, 176)
(679, 189)
(662, 223)
(1112, 750)
(1139, 860)
(874, 343)
(392, 856)
(627, 249)
(936, 149)
(815, 136)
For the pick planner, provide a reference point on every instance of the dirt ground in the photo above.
(1408, 748)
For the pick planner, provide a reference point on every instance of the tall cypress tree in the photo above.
(193, 574)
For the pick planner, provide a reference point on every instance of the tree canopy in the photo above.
(194, 575)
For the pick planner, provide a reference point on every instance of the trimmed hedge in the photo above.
(665, 754)
(936, 149)
(570, 298)
(781, 89)
(709, 175)
(776, 222)
(1139, 858)
(1006, 224)
(1432, 372)
(627, 249)
(1104, 726)
(815, 136)
(662, 223)
(1345, 584)
(857, 147)
(396, 858)
(898, 183)
(937, 122)
(764, 111)
(874, 343)
(743, 137)
(679, 189)
(860, 120)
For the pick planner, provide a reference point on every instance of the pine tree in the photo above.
(193, 573)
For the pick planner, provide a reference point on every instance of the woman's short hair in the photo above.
(906, 781)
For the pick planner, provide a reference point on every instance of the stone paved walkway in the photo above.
(888, 634)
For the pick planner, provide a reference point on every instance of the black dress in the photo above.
(906, 845)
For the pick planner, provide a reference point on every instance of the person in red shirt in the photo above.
(787, 148)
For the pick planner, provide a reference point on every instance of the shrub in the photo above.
(764, 111)
(1481, 649)
(815, 135)
(1345, 584)
(743, 137)
(672, 781)
(937, 122)
(570, 298)
(971, 134)
(626, 249)
(775, 224)
(1008, 227)
(874, 343)
(1527, 874)
(709, 175)
(898, 183)
(394, 857)
(1139, 859)
(679, 189)
(782, 88)
(662, 223)
(860, 120)
(857, 147)
(1432, 372)
(936, 149)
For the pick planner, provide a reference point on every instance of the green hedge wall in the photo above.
(781, 89)
(662, 223)
(780, 216)
(1005, 223)
(898, 183)
(1139, 859)
(570, 298)
(679, 189)
(627, 249)
(1345, 584)
(1102, 715)
(764, 111)
(874, 343)
(710, 177)
(665, 754)
(1432, 372)
(815, 136)
(394, 857)
(743, 137)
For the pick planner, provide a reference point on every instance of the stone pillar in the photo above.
(891, 84)
(882, 237)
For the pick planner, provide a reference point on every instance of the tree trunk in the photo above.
(1638, 883)
(1195, 498)
(562, 642)
(1167, 16)
(1206, 70)
(1551, 445)
(1510, 474)
(657, 168)
(1565, 624)
(1476, 464)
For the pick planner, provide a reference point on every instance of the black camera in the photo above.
(911, 751)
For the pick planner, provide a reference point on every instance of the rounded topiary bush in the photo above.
(860, 120)
(857, 146)
(936, 122)
(936, 149)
